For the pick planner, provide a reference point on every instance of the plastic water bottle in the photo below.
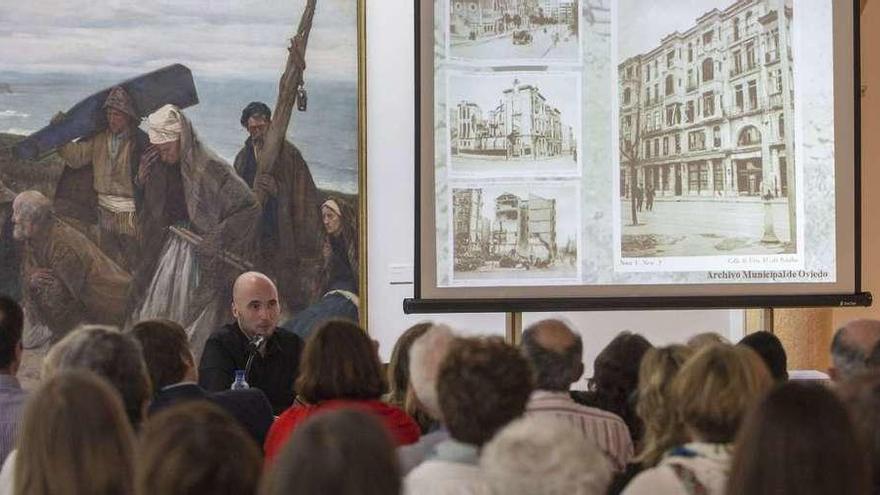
(239, 383)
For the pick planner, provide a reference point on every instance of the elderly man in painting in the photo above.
(67, 279)
(108, 160)
(289, 239)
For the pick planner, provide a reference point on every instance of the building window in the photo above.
(629, 72)
(670, 115)
(677, 143)
(707, 38)
(689, 112)
(656, 92)
(647, 73)
(749, 136)
(718, 176)
(781, 126)
(736, 29)
(647, 149)
(708, 69)
(691, 83)
(658, 123)
(698, 177)
(696, 140)
(657, 147)
(753, 94)
(665, 146)
(751, 62)
(738, 98)
(670, 85)
(690, 52)
(708, 104)
(737, 62)
(670, 58)
(627, 96)
(716, 137)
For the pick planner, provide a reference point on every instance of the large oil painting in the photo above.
(151, 151)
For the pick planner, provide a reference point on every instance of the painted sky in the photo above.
(215, 38)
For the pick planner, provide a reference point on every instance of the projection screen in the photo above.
(578, 154)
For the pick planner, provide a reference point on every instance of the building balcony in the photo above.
(771, 57)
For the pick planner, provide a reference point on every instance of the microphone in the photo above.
(253, 347)
(257, 342)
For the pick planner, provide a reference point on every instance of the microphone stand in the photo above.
(254, 349)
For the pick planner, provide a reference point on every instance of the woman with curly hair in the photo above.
(337, 284)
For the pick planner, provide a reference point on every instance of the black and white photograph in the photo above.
(707, 162)
(513, 234)
(514, 124)
(514, 30)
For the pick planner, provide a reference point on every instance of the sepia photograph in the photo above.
(514, 30)
(514, 124)
(510, 234)
(706, 100)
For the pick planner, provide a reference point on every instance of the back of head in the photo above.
(165, 349)
(483, 384)
(398, 367)
(425, 357)
(555, 353)
(340, 452)
(539, 455)
(861, 395)
(851, 346)
(616, 377)
(716, 387)
(114, 356)
(194, 448)
(798, 440)
(11, 323)
(705, 339)
(75, 439)
(339, 361)
(770, 349)
(663, 429)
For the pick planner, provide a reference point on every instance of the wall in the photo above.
(390, 151)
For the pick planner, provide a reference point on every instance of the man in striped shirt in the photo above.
(12, 397)
(556, 352)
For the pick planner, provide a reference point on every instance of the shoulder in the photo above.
(443, 477)
(225, 336)
(288, 340)
(658, 480)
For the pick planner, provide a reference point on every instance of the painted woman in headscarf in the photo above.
(337, 285)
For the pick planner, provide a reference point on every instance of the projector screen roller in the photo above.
(637, 153)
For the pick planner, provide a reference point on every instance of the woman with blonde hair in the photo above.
(75, 440)
(710, 395)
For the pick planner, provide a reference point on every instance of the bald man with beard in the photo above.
(276, 353)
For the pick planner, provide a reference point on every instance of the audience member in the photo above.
(111, 355)
(538, 455)
(343, 452)
(615, 379)
(872, 362)
(712, 392)
(425, 356)
(340, 369)
(556, 353)
(798, 441)
(274, 354)
(861, 395)
(655, 407)
(399, 393)
(196, 448)
(705, 339)
(482, 385)
(174, 378)
(850, 347)
(769, 348)
(12, 397)
(75, 440)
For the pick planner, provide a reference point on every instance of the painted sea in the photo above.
(326, 133)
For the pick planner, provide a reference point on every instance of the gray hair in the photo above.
(538, 455)
(425, 357)
(33, 206)
(110, 354)
(848, 359)
(553, 370)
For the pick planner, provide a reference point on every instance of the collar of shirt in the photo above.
(178, 384)
(551, 394)
(9, 381)
(452, 450)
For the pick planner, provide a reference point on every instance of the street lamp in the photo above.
(769, 232)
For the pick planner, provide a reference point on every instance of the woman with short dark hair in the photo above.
(799, 440)
(343, 452)
(339, 369)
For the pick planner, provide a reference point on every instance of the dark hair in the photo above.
(615, 379)
(399, 393)
(770, 349)
(195, 447)
(339, 361)
(798, 440)
(11, 323)
(861, 395)
(254, 108)
(553, 370)
(341, 452)
(872, 362)
(482, 385)
(166, 351)
(112, 355)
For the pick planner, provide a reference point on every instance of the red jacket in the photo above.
(402, 427)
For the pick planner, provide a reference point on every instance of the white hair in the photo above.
(538, 455)
(425, 356)
(33, 206)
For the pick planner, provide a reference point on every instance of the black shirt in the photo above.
(227, 350)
